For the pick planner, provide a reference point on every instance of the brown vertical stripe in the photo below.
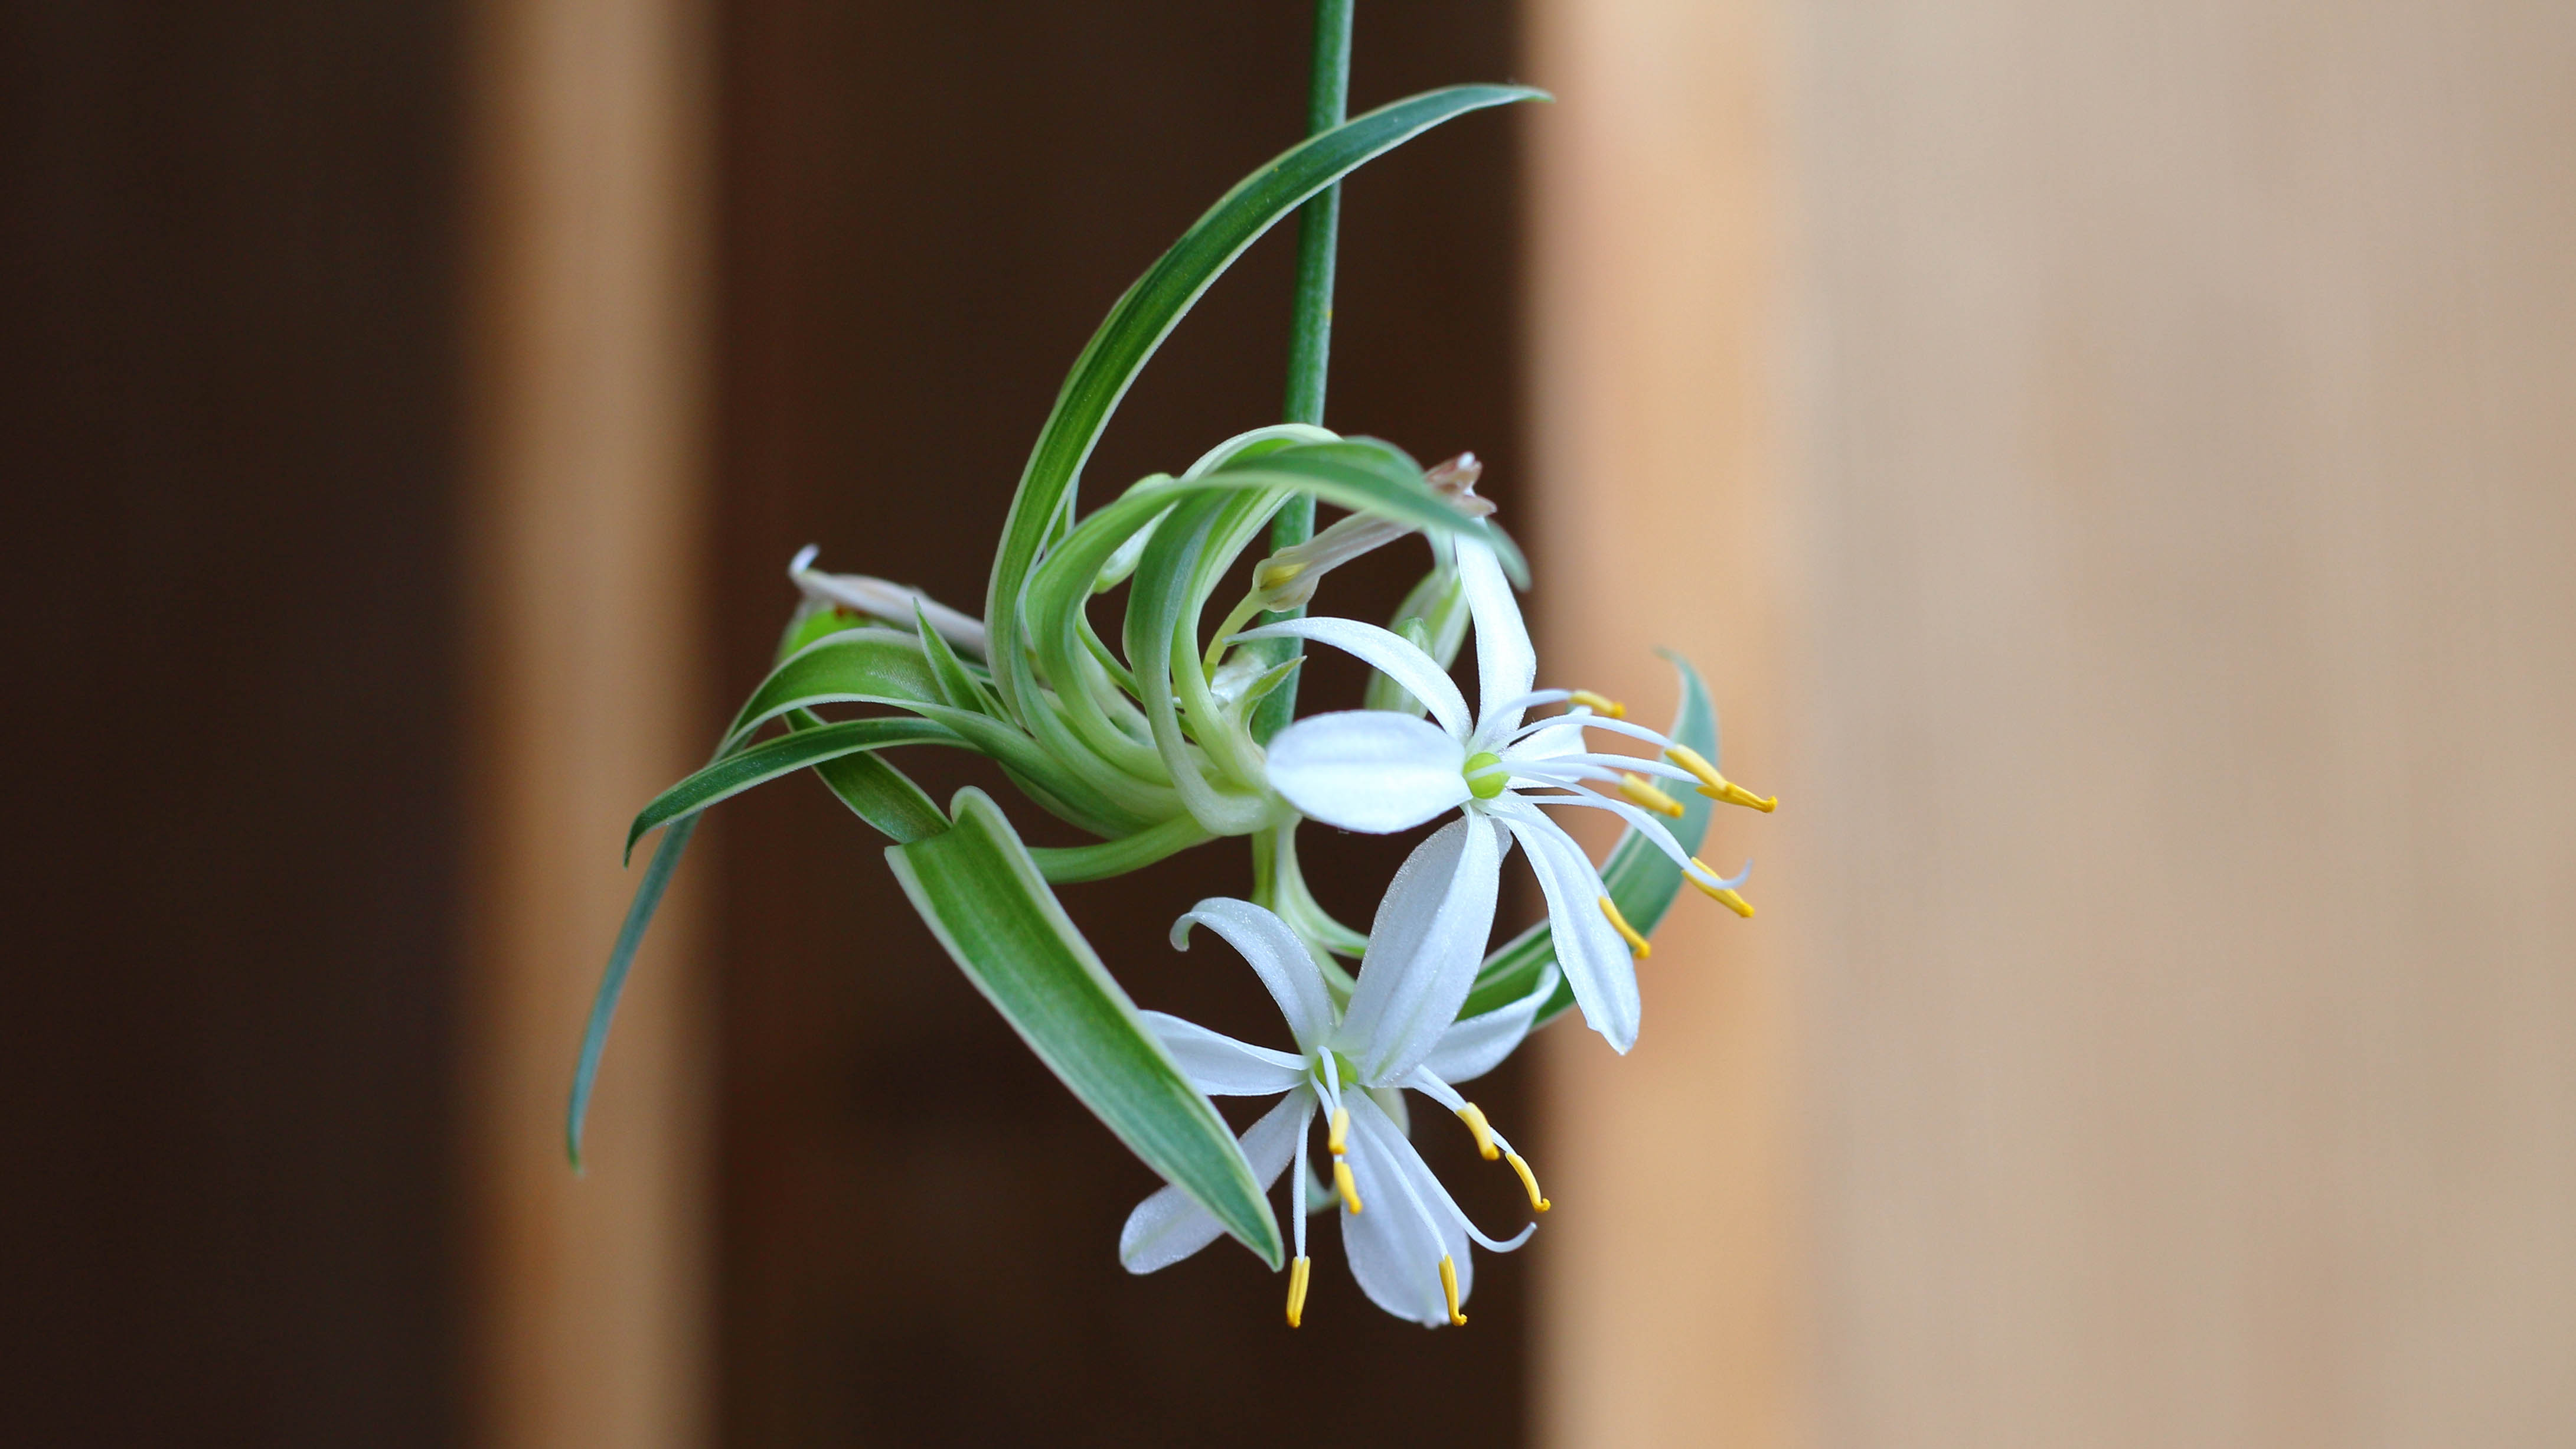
(1666, 1304)
(586, 379)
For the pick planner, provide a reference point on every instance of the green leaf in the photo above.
(889, 667)
(984, 898)
(1146, 314)
(762, 763)
(957, 686)
(868, 665)
(876, 791)
(1641, 878)
(1162, 651)
(1064, 864)
(1364, 473)
(612, 982)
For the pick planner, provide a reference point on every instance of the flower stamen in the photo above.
(1638, 946)
(1529, 1180)
(1474, 1117)
(1723, 895)
(1343, 1184)
(1338, 1137)
(1716, 786)
(1449, 1289)
(1298, 1272)
(1637, 790)
(1600, 704)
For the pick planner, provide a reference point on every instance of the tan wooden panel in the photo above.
(584, 366)
(2160, 618)
(2194, 1015)
(1668, 1290)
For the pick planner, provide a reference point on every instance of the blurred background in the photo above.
(2115, 463)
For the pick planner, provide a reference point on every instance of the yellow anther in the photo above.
(1529, 1180)
(1449, 1287)
(1278, 575)
(1638, 790)
(1637, 945)
(1716, 786)
(1343, 1184)
(1298, 1271)
(1474, 1117)
(1720, 894)
(1735, 794)
(1600, 704)
(1339, 1137)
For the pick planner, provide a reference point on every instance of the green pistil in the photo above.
(1484, 781)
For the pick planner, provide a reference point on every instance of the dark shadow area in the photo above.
(227, 313)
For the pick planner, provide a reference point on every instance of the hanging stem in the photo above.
(1310, 324)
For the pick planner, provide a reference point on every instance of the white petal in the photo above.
(1505, 663)
(1368, 769)
(1390, 654)
(1170, 1225)
(1276, 956)
(1560, 736)
(1424, 948)
(1478, 1044)
(1220, 1066)
(1395, 1243)
(1595, 959)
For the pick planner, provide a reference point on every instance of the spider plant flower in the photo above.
(1408, 1241)
(1287, 579)
(879, 599)
(1382, 771)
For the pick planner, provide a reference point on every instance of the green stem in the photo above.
(1310, 324)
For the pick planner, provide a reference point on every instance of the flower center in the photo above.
(1485, 775)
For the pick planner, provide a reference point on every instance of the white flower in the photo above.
(1381, 771)
(1407, 1240)
(894, 603)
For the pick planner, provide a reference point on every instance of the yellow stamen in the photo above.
(1339, 1137)
(1474, 1117)
(1600, 704)
(1343, 1184)
(1278, 575)
(1298, 1271)
(1638, 790)
(1720, 894)
(1637, 945)
(1449, 1286)
(1529, 1180)
(1716, 786)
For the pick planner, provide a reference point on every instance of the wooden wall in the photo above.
(2178, 652)
(588, 371)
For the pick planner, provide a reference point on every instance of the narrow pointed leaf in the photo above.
(985, 900)
(612, 982)
(957, 687)
(876, 792)
(762, 763)
(1146, 314)
(1064, 864)
(1363, 473)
